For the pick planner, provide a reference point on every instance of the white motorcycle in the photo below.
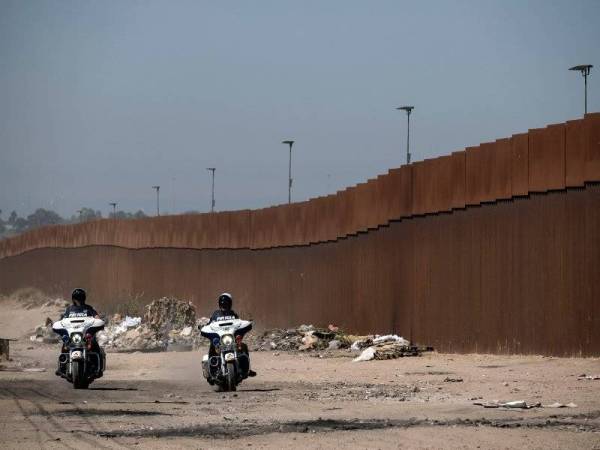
(81, 359)
(230, 364)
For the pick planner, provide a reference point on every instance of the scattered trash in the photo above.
(583, 376)
(560, 405)
(515, 404)
(452, 380)
(522, 404)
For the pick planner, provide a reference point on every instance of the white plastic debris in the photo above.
(128, 322)
(391, 338)
(367, 355)
(515, 404)
(561, 405)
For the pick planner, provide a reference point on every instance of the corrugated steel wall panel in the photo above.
(474, 176)
(547, 158)
(575, 153)
(520, 164)
(458, 179)
(592, 161)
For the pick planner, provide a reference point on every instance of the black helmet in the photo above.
(225, 301)
(79, 295)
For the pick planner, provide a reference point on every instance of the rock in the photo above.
(334, 345)
(45, 334)
(186, 332)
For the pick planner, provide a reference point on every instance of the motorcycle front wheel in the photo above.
(78, 375)
(231, 377)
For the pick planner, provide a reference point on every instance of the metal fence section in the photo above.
(517, 276)
(492, 249)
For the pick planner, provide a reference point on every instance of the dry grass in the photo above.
(134, 306)
(28, 297)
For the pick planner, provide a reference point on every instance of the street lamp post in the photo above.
(157, 199)
(290, 143)
(114, 206)
(212, 203)
(585, 71)
(408, 110)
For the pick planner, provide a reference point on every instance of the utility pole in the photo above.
(290, 143)
(408, 110)
(114, 206)
(585, 71)
(212, 203)
(157, 200)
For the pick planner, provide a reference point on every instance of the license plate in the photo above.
(76, 355)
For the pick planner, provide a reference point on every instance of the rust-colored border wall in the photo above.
(516, 276)
(545, 159)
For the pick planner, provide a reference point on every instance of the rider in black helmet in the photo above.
(226, 313)
(79, 308)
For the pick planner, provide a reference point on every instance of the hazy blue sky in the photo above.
(100, 100)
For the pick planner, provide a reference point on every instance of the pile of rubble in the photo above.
(305, 337)
(389, 346)
(168, 324)
(308, 337)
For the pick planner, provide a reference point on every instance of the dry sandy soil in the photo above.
(160, 400)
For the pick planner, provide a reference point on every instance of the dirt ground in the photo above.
(298, 400)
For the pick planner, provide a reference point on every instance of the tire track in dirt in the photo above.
(80, 414)
(52, 425)
(38, 430)
(240, 430)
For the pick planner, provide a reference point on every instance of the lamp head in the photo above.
(583, 68)
(408, 109)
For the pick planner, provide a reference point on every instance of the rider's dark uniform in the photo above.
(79, 311)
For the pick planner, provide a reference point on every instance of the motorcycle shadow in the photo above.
(259, 390)
(112, 389)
